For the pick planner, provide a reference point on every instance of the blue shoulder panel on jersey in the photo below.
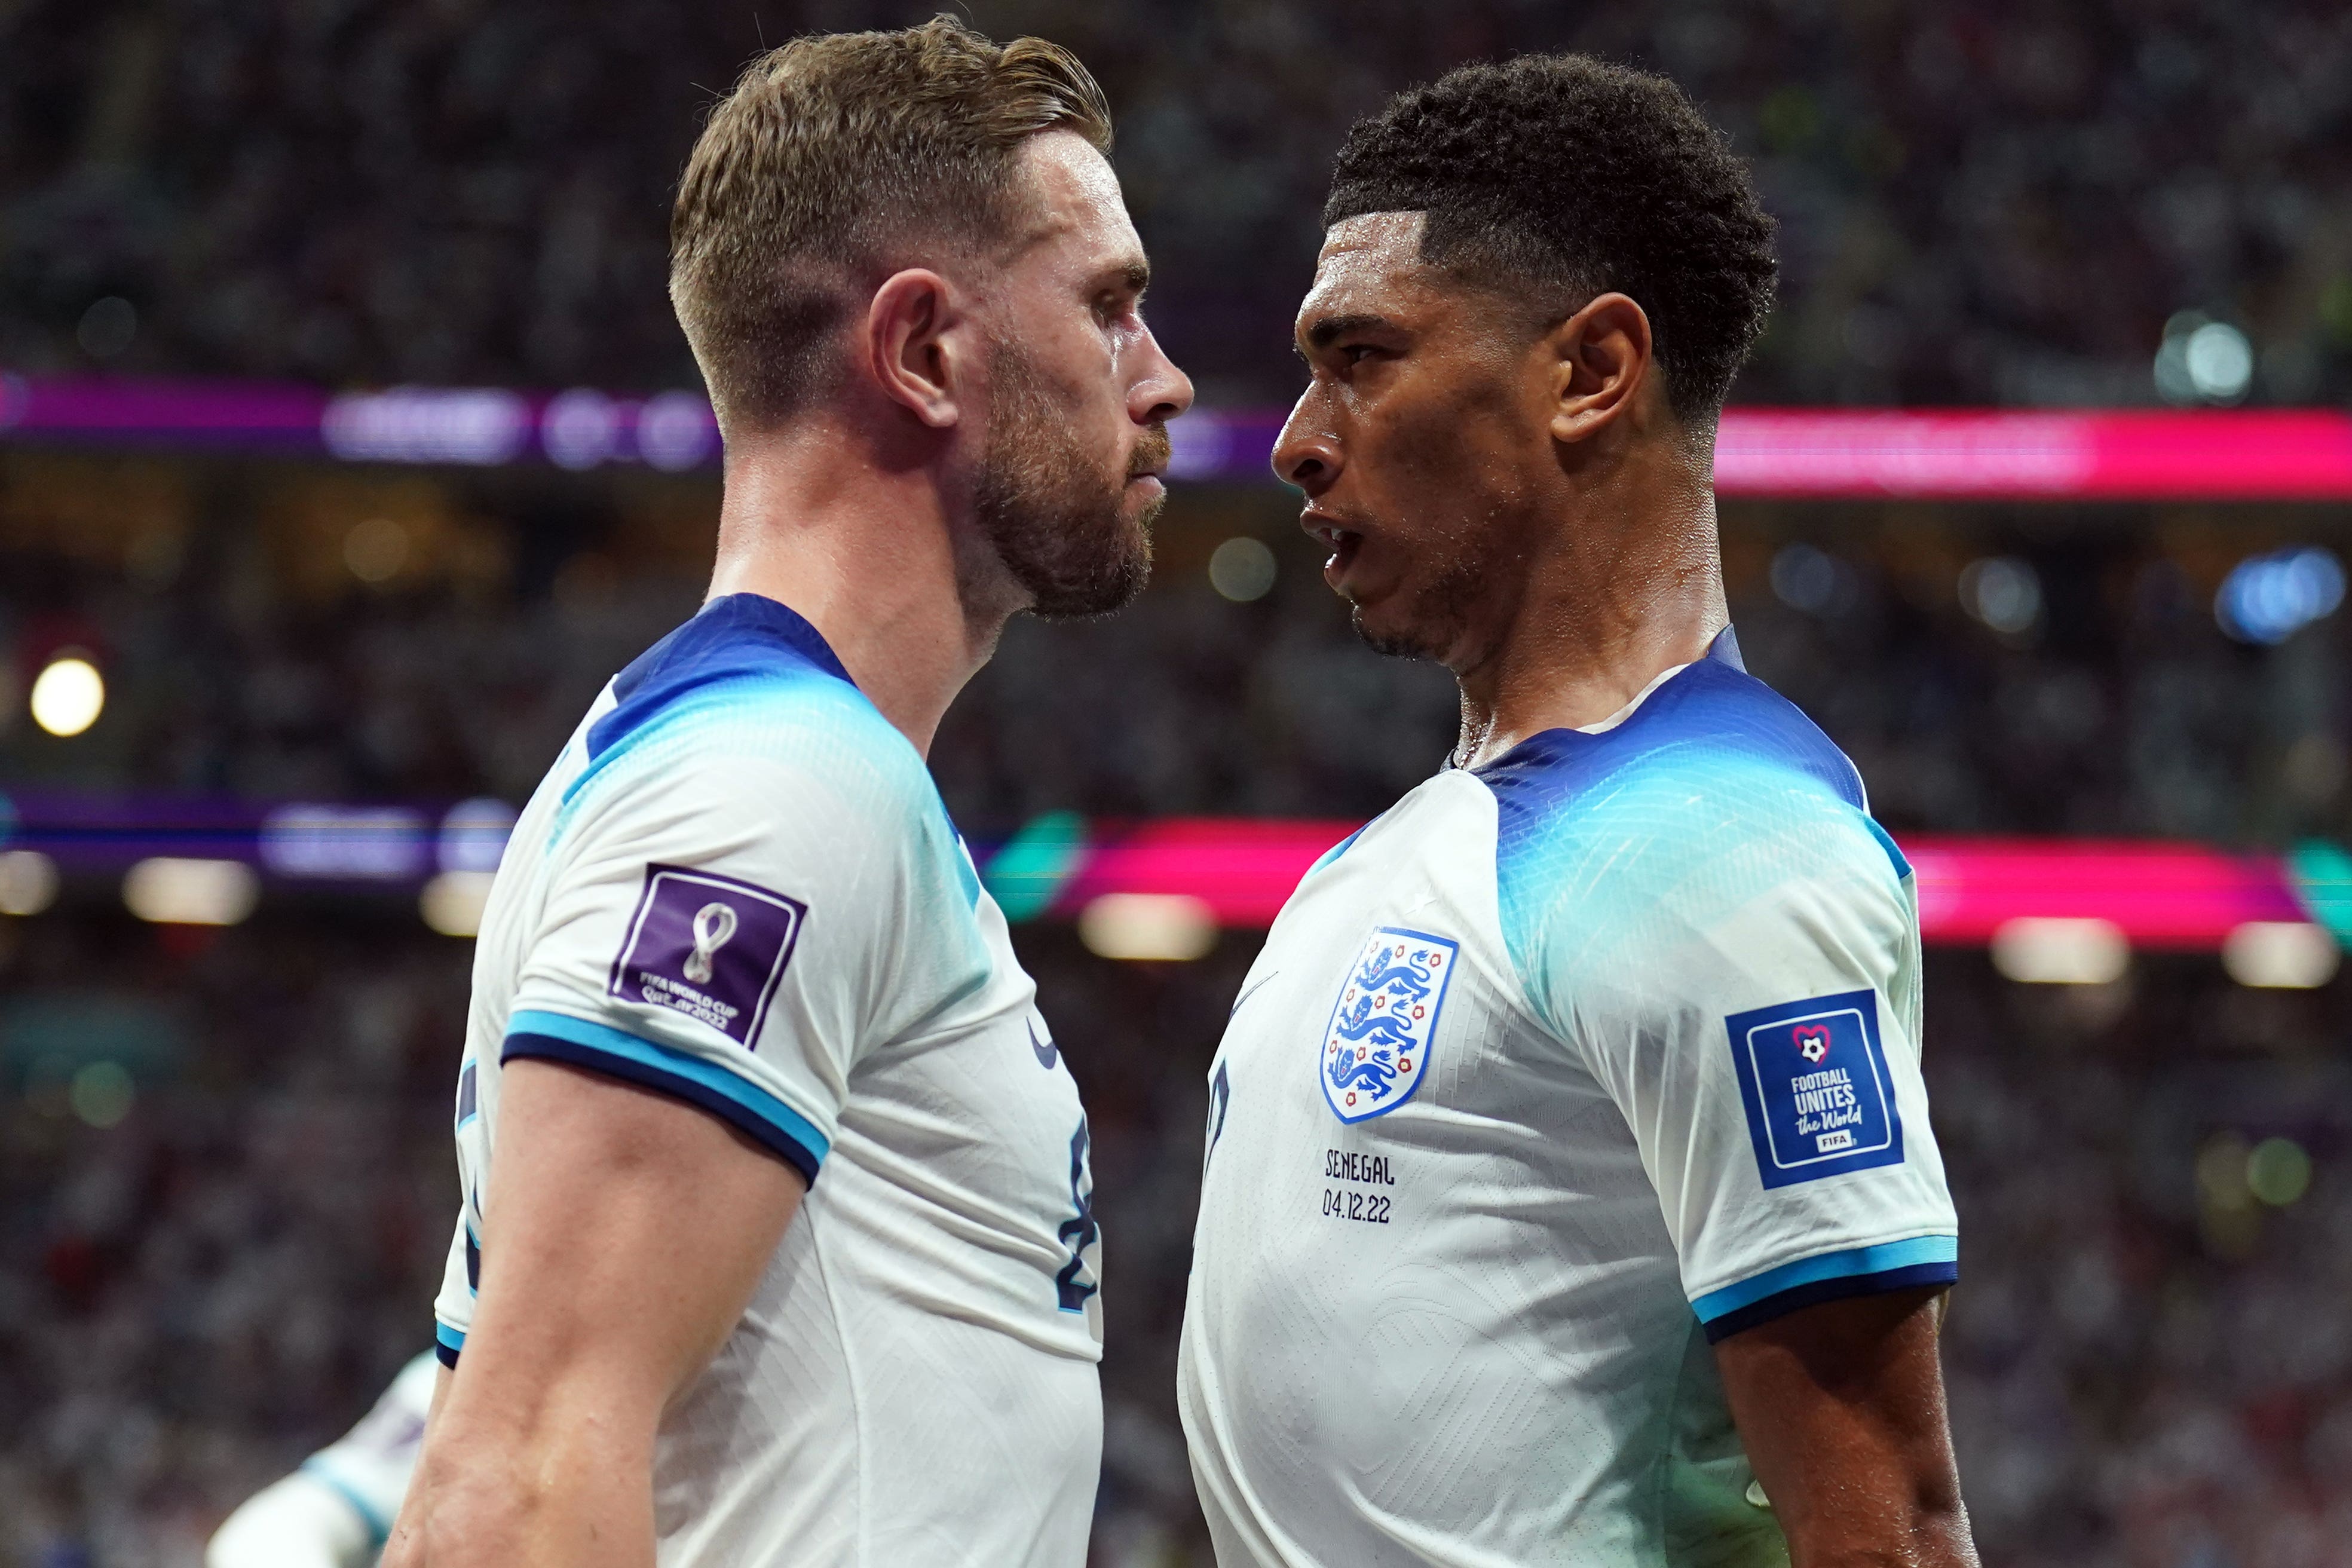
(737, 634)
(723, 668)
(1710, 791)
(735, 1101)
(447, 1342)
(1862, 1271)
(1714, 705)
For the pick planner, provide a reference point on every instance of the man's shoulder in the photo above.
(1715, 793)
(744, 669)
(1707, 744)
(740, 698)
(1712, 763)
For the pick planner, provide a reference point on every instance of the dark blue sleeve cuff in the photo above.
(1916, 1276)
(741, 1104)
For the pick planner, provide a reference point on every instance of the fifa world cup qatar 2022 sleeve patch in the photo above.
(709, 946)
(1813, 1080)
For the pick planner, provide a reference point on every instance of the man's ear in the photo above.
(913, 349)
(1601, 360)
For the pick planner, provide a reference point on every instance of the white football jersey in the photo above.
(738, 886)
(1558, 1071)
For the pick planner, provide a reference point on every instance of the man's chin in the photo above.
(1110, 585)
(1391, 641)
(1140, 508)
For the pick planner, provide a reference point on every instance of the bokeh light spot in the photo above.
(68, 695)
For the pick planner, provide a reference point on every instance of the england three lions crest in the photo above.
(1377, 1047)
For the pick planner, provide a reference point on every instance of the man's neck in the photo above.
(863, 549)
(1605, 609)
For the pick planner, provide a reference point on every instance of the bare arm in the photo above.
(625, 1233)
(1840, 1406)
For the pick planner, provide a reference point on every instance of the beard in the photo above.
(1059, 523)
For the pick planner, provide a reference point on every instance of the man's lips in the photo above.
(1339, 540)
(1151, 457)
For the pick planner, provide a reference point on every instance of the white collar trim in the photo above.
(1639, 697)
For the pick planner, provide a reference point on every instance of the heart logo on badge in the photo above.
(1812, 1042)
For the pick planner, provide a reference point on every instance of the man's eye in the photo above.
(1356, 354)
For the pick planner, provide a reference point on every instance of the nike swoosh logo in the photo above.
(1046, 1048)
(1245, 995)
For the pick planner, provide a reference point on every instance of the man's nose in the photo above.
(1307, 453)
(1163, 392)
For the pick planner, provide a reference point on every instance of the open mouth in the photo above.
(1341, 544)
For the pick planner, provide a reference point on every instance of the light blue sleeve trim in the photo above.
(379, 1528)
(1887, 842)
(448, 1338)
(1879, 1259)
(676, 1064)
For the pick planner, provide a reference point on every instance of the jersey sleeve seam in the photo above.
(751, 1107)
(1921, 1258)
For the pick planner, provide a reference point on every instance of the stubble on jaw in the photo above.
(1462, 560)
(1054, 522)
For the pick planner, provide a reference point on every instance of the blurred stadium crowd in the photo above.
(1996, 202)
(2147, 1364)
(1990, 670)
(211, 1268)
(2147, 1356)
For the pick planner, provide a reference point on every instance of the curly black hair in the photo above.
(1566, 177)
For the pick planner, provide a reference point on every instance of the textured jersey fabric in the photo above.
(738, 886)
(1560, 1069)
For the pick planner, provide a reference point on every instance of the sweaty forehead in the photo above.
(1370, 264)
(1073, 199)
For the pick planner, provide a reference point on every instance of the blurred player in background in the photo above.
(335, 1512)
(1569, 1195)
(778, 1241)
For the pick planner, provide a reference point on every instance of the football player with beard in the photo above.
(778, 1239)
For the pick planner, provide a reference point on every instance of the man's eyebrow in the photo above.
(1135, 277)
(1328, 330)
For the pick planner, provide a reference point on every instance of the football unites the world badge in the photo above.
(1376, 1048)
(1813, 1080)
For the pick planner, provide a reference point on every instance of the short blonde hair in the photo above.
(834, 161)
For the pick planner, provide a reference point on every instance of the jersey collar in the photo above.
(734, 635)
(1724, 650)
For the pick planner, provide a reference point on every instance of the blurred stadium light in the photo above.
(474, 835)
(2004, 593)
(1240, 870)
(2290, 955)
(1171, 928)
(2041, 950)
(2268, 598)
(68, 695)
(1983, 454)
(452, 903)
(173, 890)
(28, 881)
(1242, 569)
(337, 842)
